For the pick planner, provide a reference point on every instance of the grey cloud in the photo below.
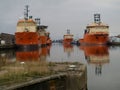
(61, 14)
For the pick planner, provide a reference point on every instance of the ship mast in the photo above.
(97, 18)
(26, 12)
(26, 17)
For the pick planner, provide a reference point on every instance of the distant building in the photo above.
(7, 39)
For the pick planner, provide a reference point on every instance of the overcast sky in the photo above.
(61, 15)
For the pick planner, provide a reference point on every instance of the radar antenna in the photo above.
(68, 31)
(97, 18)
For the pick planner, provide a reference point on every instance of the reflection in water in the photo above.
(68, 48)
(34, 61)
(97, 55)
(33, 55)
(67, 83)
(26, 65)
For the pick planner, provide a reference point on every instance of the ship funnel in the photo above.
(97, 18)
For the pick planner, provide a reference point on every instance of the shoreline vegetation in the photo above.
(20, 72)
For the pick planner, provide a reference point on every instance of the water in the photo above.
(103, 69)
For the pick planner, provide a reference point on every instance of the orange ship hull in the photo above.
(27, 38)
(94, 39)
(43, 40)
(32, 54)
(68, 41)
(30, 39)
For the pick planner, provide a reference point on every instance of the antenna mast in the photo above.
(26, 12)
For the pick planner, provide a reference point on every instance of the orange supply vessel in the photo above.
(30, 33)
(96, 33)
(68, 38)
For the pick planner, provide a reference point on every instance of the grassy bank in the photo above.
(26, 71)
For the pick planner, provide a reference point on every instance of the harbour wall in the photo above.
(72, 79)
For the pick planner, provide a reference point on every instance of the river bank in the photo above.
(25, 79)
